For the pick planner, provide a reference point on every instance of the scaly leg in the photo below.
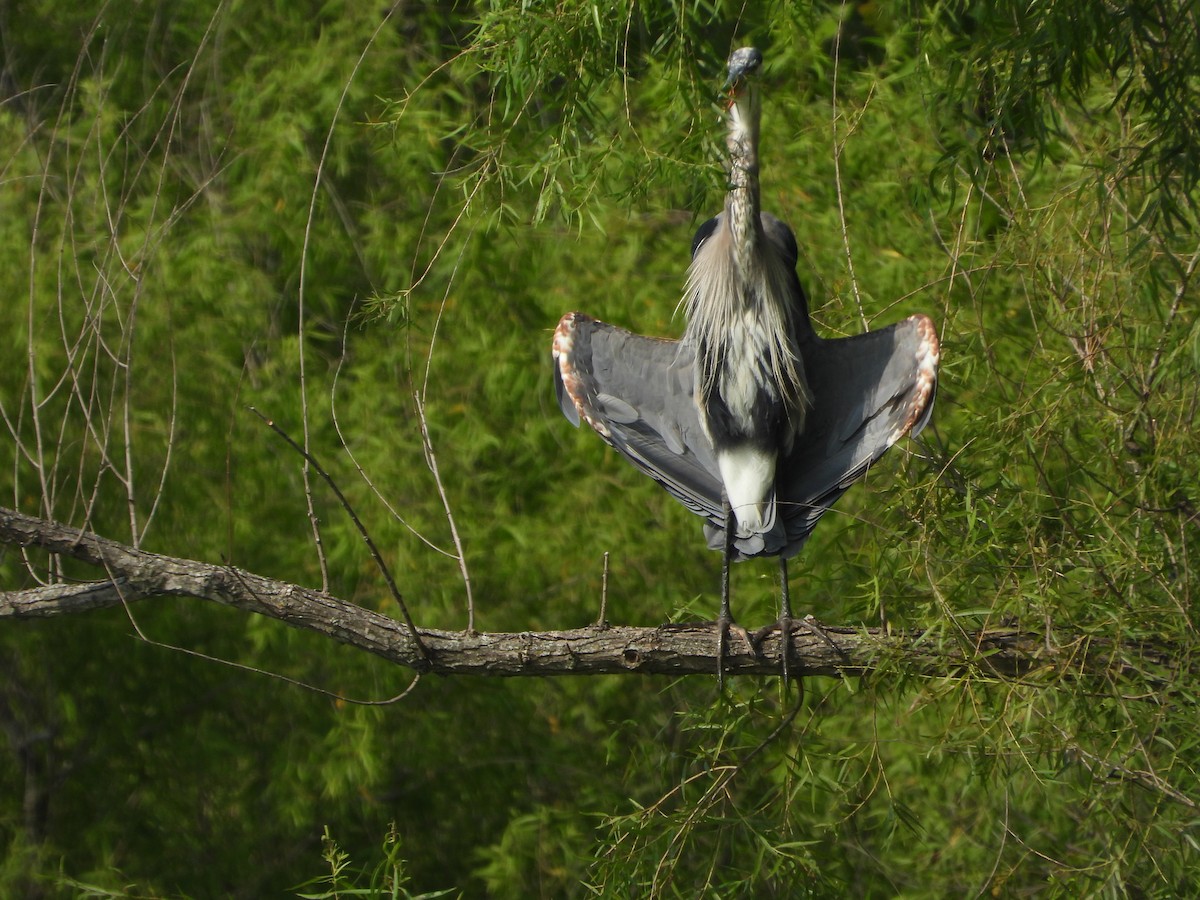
(785, 617)
(724, 618)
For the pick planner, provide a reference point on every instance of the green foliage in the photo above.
(320, 213)
(388, 879)
(1024, 60)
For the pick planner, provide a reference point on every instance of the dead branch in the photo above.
(673, 649)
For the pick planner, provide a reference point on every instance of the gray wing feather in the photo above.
(637, 393)
(868, 392)
(565, 403)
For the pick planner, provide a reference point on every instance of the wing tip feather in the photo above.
(570, 380)
(928, 356)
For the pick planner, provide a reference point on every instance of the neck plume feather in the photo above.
(728, 304)
(739, 297)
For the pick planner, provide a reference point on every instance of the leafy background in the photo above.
(320, 210)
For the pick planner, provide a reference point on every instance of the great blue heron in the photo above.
(751, 420)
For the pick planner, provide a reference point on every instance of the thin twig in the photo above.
(602, 621)
(725, 776)
(431, 461)
(383, 568)
(1180, 291)
(117, 582)
(362, 472)
(300, 295)
(837, 172)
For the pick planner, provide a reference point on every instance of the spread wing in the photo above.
(637, 393)
(868, 391)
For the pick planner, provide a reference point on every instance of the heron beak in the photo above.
(729, 96)
(734, 87)
(731, 90)
(743, 64)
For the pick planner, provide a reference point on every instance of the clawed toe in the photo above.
(725, 625)
(786, 628)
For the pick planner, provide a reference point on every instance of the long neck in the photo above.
(742, 203)
(744, 305)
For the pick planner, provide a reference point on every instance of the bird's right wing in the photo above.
(637, 394)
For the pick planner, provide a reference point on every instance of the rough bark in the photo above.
(132, 575)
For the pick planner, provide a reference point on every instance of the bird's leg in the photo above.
(784, 624)
(785, 617)
(724, 618)
(602, 620)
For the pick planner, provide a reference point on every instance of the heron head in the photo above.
(744, 65)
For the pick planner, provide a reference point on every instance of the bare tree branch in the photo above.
(671, 649)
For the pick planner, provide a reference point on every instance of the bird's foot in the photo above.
(725, 625)
(786, 628)
(814, 627)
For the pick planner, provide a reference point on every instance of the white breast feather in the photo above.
(749, 477)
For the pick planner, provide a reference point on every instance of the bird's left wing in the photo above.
(868, 391)
(637, 394)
